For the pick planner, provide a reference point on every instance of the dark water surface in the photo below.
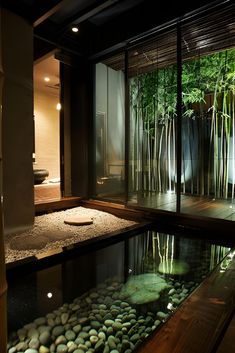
(109, 299)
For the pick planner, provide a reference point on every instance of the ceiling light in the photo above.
(47, 79)
(75, 29)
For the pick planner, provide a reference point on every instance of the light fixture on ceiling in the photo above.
(75, 29)
(47, 79)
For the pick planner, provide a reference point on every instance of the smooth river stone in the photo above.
(77, 220)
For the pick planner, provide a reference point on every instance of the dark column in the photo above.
(16, 75)
(76, 117)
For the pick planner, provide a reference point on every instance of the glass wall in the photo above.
(153, 99)
(109, 128)
(181, 117)
(208, 115)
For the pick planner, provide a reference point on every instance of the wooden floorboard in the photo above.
(46, 192)
(192, 205)
(197, 325)
(227, 344)
(55, 205)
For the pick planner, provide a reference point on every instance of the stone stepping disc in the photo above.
(77, 220)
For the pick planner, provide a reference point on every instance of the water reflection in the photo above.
(109, 299)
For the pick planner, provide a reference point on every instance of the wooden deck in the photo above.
(192, 205)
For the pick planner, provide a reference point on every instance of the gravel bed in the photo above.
(50, 232)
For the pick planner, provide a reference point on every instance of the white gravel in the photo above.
(53, 224)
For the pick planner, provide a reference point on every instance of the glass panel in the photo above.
(208, 122)
(110, 123)
(153, 96)
(114, 297)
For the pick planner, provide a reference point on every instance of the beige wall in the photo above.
(46, 133)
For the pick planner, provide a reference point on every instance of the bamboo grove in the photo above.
(208, 128)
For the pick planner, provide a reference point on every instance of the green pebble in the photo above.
(95, 324)
(61, 348)
(83, 335)
(108, 322)
(99, 345)
(102, 335)
(111, 342)
(70, 335)
(135, 337)
(117, 326)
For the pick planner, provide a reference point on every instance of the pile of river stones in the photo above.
(100, 320)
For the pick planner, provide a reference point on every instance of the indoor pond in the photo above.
(109, 299)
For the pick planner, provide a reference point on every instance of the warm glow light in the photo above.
(47, 79)
(58, 106)
(75, 29)
(49, 295)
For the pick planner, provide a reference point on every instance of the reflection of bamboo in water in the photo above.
(172, 253)
(159, 251)
(212, 257)
(154, 250)
(168, 253)
(217, 254)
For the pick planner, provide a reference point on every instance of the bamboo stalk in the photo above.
(233, 145)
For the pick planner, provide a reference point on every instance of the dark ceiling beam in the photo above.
(94, 11)
(60, 31)
(84, 15)
(46, 13)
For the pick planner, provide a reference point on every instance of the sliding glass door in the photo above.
(152, 142)
(110, 131)
(208, 115)
(175, 139)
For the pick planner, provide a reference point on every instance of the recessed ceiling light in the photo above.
(47, 79)
(75, 29)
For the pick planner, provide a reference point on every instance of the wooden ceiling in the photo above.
(201, 35)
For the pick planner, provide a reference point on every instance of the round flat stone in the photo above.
(77, 220)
